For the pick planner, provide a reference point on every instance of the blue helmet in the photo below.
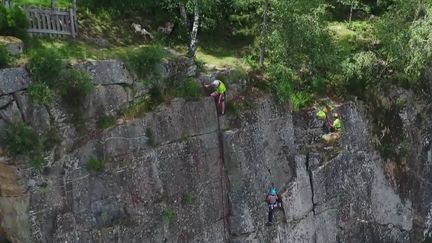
(273, 192)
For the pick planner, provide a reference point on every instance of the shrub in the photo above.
(21, 139)
(300, 99)
(188, 198)
(45, 66)
(4, 57)
(40, 93)
(105, 122)
(13, 22)
(190, 90)
(136, 109)
(151, 137)
(145, 61)
(96, 165)
(168, 215)
(74, 85)
(51, 138)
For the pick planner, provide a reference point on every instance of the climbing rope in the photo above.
(222, 181)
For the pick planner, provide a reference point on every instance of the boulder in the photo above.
(14, 45)
(13, 80)
(179, 66)
(107, 72)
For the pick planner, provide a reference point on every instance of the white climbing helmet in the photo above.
(216, 83)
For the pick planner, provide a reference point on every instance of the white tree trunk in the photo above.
(194, 32)
(264, 34)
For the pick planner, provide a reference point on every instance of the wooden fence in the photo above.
(52, 22)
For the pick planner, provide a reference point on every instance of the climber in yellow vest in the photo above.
(336, 126)
(218, 95)
(323, 115)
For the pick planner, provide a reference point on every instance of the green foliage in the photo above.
(144, 61)
(151, 140)
(190, 90)
(4, 57)
(96, 165)
(13, 22)
(188, 198)
(232, 108)
(404, 32)
(22, 140)
(45, 66)
(40, 93)
(105, 122)
(358, 71)
(74, 85)
(43, 3)
(137, 109)
(300, 100)
(168, 215)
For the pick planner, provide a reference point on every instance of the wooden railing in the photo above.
(52, 22)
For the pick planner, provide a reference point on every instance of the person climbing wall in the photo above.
(322, 114)
(336, 126)
(218, 95)
(274, 200)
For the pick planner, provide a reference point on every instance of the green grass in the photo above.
(96, 165)
(354, 36)
(79, 50)
(168, 215)
(43, 3)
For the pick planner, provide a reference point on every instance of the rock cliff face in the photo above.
(181, 174)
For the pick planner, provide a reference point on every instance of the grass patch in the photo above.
(188, 198)
(74, 85)
(46, 65)
(23, 140)
(151, 140)
(168, 215)
(97, 165)
(144, 62)
(43, 3)
(352, 37)
(105, 122)
(4, 57)
(40, 93)
(189, 89)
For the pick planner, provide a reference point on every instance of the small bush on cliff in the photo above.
(188, 198)
(45, 66)
(168, 215)
(105, 122)
(23, 140)
(40, 93)
(151, 137)
(190, 90)
(13, 22)
(145, 61)
(4, 57)
(74, 85)
(96, 165)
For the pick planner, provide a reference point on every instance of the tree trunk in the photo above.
(194, 32)
(264, 34)
(183, 14)
(351, 12)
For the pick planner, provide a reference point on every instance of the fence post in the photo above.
(72, 22)
(74, 6)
